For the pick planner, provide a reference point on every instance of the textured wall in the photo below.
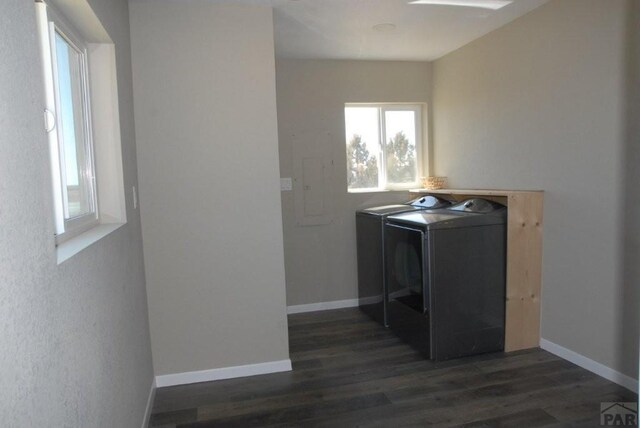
(75, 339)
(630, 315)
(321, 260)
(209, 188)
(539, 104)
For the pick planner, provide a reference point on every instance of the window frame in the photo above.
(382, 108)
(67, 228)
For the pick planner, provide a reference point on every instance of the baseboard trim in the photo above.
(322, 306)
(591, 365)
(147, 412)
(223, 373)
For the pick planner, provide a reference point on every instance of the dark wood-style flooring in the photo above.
(348, 371)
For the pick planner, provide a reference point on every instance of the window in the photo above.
(82, 124)
(383, 146)
(71, 139)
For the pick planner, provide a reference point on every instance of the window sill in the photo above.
(73, 246)
(356, 191)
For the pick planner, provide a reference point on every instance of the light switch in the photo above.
(135, 197)
(286, 184)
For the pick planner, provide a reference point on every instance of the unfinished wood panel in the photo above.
(524, 260)
(473, 192)
(524, 271)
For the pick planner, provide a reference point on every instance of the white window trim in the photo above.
(419, 109)
(77, 225)
(102, 93)
(67, 228)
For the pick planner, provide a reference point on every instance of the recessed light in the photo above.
(384, 27)
(483, 4)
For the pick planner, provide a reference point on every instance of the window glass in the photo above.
(400, 146)
(383, 146)
(363, 146)
(73, 150)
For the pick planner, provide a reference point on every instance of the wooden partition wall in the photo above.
(524, 259)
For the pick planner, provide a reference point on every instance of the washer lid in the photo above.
(389, 209)
(446, 219)
(421, 203)
(430, 202)
(477, 205)
(423, 218)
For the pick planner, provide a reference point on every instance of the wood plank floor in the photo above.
(349, 371)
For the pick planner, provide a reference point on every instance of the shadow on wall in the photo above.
(629, 331)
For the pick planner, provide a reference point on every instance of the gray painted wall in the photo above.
(630, 315)
(75, 338)
(321, 260)
(209, 188)
(539, 104)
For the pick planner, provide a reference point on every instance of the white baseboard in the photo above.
(591, 365)
(147, 412)
(322, 306)
(223, 373)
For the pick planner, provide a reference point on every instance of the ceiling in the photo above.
(343, 29)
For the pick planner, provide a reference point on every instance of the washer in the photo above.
(446, 277)
(370, 247)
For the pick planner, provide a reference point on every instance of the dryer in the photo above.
(446, 278)
(370, 251)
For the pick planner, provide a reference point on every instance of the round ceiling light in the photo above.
(384, 27)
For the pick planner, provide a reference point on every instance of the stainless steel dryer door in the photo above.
(406, 271)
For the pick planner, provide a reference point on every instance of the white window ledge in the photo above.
(377, 190)
(73, 246)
